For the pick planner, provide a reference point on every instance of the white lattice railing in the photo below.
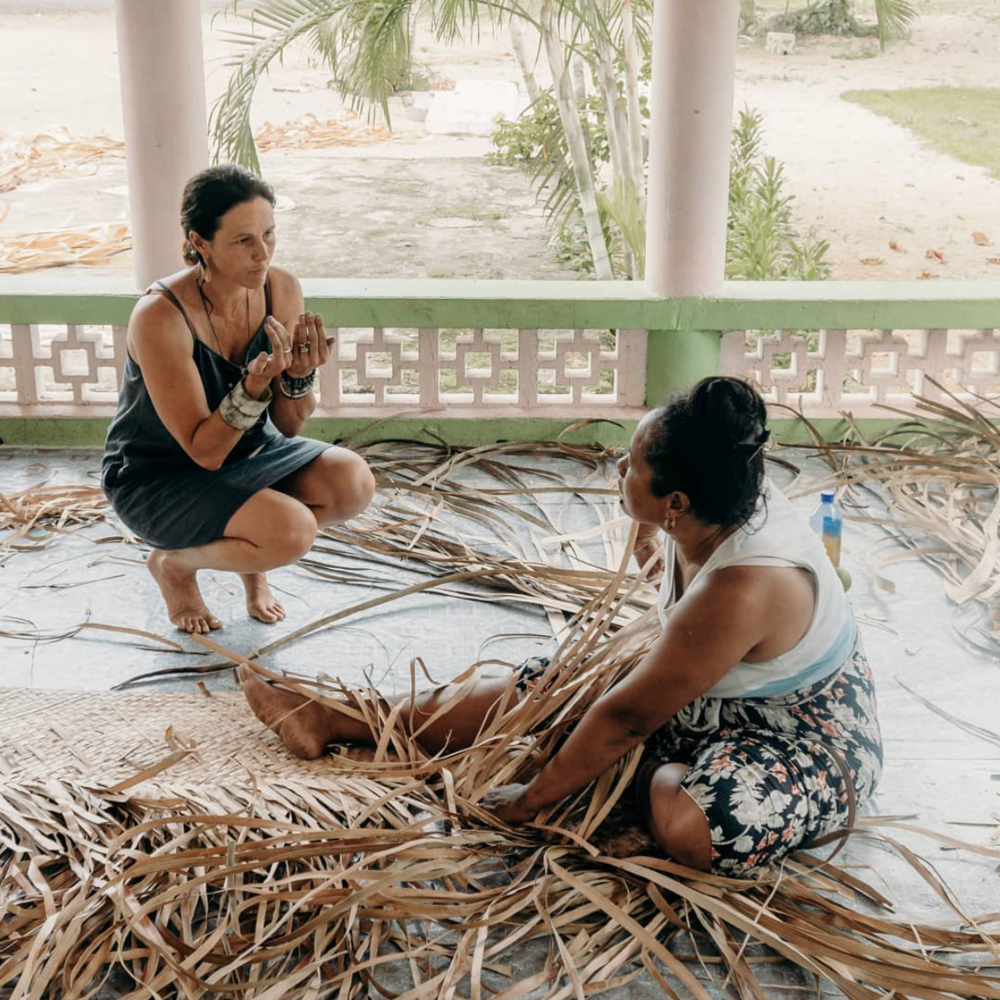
(66, 365)
(833, 370)
(506, 350)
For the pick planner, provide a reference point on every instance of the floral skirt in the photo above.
(762, 769)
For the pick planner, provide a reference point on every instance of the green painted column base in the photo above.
(676, 359)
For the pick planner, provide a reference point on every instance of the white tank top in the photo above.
(778, 535)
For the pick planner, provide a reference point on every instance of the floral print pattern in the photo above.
(764, 774)
(761, 769)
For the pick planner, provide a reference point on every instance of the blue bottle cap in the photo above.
(827, 496)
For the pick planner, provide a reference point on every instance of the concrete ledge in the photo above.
(414, 303)
(90, 432)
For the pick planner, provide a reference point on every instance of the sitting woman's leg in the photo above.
(672, 817)
(271, 529)
(308, 727)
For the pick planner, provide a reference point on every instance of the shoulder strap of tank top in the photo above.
(177, 302)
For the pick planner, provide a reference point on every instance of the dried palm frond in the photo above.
(52, 154)
(253, 875)
(939, 479)
(93, 247)
(308, 132)
(382, 876)
(36, 516)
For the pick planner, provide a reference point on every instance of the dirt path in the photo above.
(425, 205)
(863, 181)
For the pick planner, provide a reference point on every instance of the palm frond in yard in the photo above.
(94, 247)
(894, 17)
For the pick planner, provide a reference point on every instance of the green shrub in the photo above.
(761, 242)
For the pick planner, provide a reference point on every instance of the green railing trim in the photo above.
(76, 298)
(86, 432)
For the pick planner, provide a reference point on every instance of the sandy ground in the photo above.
(861, 181)
(423, 205)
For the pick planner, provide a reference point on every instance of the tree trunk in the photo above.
(580, 95)
(615, 119)
(521, 53)
(632, 65)
(583, 171)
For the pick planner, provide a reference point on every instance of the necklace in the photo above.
(205, 302)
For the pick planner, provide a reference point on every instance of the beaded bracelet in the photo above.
(297, 388)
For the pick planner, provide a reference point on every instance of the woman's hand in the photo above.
(266, 366)
(310, 346)
(510, 804)
(649, 545)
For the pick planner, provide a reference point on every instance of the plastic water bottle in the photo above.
(827, 521)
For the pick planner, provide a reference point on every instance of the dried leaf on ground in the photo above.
(872, 261)
(981, 239)
(893, 245)
(308, 132)
(52, 154)
(34, 251)
(934, 255)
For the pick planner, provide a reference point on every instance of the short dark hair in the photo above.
(210, 194)
(708, 443)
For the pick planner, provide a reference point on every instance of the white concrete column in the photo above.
(691, 112)
(162, 71)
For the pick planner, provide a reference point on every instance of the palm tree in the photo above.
(366, 44)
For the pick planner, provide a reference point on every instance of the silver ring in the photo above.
(304, 348)
(287, 350)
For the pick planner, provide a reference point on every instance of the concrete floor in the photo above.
(939, 775)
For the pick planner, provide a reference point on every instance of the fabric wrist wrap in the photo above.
(240, 410)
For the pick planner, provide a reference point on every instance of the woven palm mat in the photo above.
(113, 737)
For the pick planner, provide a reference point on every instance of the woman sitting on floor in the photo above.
(202, 459)
(755, 704)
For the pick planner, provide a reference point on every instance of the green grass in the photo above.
(964, 123)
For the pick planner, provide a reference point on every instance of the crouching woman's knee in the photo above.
(297, 532)
(354, 489)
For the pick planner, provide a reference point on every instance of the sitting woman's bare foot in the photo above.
(305, 727)
(261, 603)
(179, 586)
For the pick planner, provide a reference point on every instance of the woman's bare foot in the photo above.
(305, 727)
(261, 603)
(179, 586)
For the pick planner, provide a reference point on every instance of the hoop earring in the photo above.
(670, 523)
(206, 274)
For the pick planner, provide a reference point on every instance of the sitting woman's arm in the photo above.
(161, 345)
(710, 631)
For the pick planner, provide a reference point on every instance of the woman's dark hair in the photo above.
(210, 194)
(709, 443)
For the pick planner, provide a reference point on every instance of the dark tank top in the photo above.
(138, 443)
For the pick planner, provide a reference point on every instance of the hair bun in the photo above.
(730, 410)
